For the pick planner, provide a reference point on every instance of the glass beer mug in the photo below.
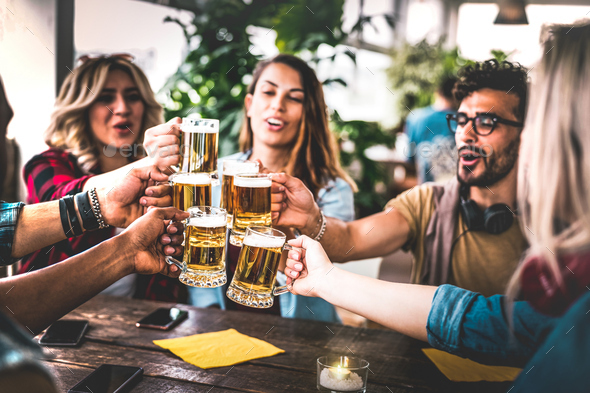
(198, 145)
(251, 204)
(190, 189)
(203, 264)
(230, 169)
(253, 284)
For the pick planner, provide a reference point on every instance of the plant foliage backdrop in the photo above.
(213, 79)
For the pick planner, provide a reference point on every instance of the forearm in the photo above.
(38, 226)
(39, 298)
(401, 307)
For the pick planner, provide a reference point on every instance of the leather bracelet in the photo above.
(85, 209)
(65, 222)
(74, 222)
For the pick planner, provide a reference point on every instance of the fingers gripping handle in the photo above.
(287, 288)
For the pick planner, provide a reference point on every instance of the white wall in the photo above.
(27, 66)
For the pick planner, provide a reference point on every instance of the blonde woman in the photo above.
(95, 136)
(553, 280)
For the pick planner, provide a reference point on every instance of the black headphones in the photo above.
(495, 219)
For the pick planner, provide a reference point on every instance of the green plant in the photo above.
(359, 136)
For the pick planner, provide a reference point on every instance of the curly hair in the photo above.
(491, 74)
(69, 129)
(314, 156)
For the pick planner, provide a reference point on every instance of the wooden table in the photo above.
(397, 363)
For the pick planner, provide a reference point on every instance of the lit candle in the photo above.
(339, 373)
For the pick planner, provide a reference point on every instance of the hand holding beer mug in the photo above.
(251, 203)
(190, 189)
(253, 284)
(198, 145)
(230, 169)
(203, 264)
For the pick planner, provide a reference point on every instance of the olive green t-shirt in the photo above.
(481, 262)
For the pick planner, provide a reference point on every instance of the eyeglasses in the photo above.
(483, 124)
(125, 56)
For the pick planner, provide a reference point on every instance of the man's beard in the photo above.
(497, 167)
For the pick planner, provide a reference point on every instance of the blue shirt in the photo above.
(9, 213)
(470, 325)
(431, 143)
(336, 200)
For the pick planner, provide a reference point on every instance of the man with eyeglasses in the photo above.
(464, 232)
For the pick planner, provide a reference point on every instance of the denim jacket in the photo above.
(336, 200)
(470, 325)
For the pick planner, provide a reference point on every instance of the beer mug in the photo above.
(190, 189)
(203, 264)
(230, 169)
(253, 284)
(251, 203)
(198, 145)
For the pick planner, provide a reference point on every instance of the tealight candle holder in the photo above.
(342, 374)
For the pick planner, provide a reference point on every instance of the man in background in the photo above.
(429, 138)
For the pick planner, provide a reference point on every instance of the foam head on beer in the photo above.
(254, 239)
(191, 189)
(198, 145)
(252, 181)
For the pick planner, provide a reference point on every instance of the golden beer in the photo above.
(203, 264)
(251, 201)
(253, 284)
(230, 169)
(198, 145)
(191, 189)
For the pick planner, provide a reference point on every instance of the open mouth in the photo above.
(274, 122)
(469, 158)
(123, 127)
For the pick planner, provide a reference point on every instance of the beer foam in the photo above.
(252, 182)
(209, 126)
(258, 240)
(232, 168)
(208, 222)
(192, 178)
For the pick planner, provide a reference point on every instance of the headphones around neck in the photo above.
(495, 219)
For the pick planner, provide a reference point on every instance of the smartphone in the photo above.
(109, 378)
(163, 319)
(64, 332)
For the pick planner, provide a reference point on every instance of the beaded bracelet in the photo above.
(323, 228)
(96, 209)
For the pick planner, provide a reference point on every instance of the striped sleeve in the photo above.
(52, 175)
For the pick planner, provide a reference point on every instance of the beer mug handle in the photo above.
(172, 261)
(286, 288)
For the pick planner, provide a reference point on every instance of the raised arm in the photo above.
(377, 235)
(121, 202)
(402, 307)
(38, 298)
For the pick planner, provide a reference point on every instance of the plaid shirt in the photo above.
(8, 218)
(54, 174)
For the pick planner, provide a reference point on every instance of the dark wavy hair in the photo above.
(314, 158)
(491, 74)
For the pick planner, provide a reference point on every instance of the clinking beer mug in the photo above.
(190, 189)
(251, 204)
(203, 264)
(253, 284)
(199, 139)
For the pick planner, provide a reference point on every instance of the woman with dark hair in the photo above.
(286, 128)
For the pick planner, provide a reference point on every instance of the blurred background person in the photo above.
(430, 142)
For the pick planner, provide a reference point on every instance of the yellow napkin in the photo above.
(218, 349)
(458, 369)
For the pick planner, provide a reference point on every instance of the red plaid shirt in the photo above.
(54, 174)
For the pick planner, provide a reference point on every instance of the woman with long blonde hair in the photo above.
(95, 136)
(554, 278)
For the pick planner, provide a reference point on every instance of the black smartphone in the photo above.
(163, 319)
(64, 332)
(109, 378)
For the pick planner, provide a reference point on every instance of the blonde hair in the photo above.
(554, 182)
(69, 129)
(314, 157)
